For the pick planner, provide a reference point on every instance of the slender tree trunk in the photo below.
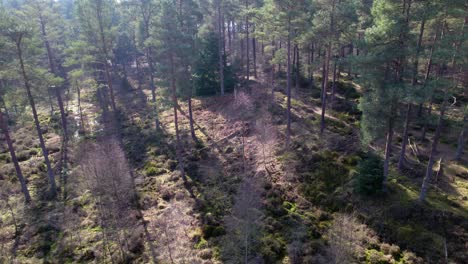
(176, 121)
(296, 90)
(414, 82)
(254, 52)
(106, 57)
(223, 27)
(404, 143)
(461, 138)
(149, 58)
(247, 41)
(14, 159)
(309, 63)
(220, 37)
(45, 153)
(327, 69)
(229, 36)
(78, 91)
(242, 51)
(288, 131)
(332, 99)
(435, 142)
(388, 150)
(273, 74)
(192, 128)
(279, 62)
(326, 65)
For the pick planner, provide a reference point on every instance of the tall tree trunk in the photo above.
(461, 138)
(149, 58)
(247, 41)
(414, 82)
(192, 128)
(332, 99)
(273, 73)
(242, 51)
(288, 130)
(279, 63)
(14, 159)
(296, 90)
(78, 91)
(309, 63)
(435, 142)
(223, 27)
(326, 65)
(220, 50)
(254, 53)
(176, 121)
(45, 153)
(404, 143)
(106, 57)
(327, 68)
(388, 150)
(229, 36)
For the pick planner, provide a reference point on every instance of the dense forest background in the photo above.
(233, 131)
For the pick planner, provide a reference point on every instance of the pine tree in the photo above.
(22, 40)
(383, 71)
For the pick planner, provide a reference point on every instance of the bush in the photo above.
(370, 175)
(5, 157)
(375, 257)
(273, 248)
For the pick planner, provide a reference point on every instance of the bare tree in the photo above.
(107, 176)
(244, 225)
(347, 237)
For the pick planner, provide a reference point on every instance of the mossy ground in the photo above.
(302, 189)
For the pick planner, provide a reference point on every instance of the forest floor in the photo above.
(245, 195)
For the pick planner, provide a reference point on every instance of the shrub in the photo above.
(370, 175)
(375, 257)
(5, 157)
(273, 248)
(23, 156)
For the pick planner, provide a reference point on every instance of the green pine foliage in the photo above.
(206, 73)
(370, 175)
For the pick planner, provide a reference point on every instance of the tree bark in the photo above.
(149, 58)
(404, 143)
(327, 69)
(106, 55)
(461, 138)
(229, 36)
(247, 41)
(435, 142)
(254, 53)
(426, 78)
(296, 90)
(288, 130)
(192, 128)
(388, 150)
(414, 82)
(176, 121)
(332, 99)
(45, 153)
(14, 159)
(78, 91)
(326, 63)
(220, 50)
